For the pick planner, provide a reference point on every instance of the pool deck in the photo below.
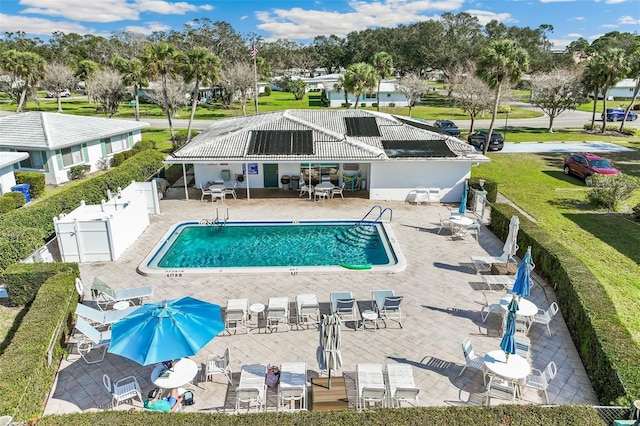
(442, 302)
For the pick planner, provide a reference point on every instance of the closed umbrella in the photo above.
(511, 243)
(522, 284)
(166, 330)
(329, 356)
(508, 343)
(463, 201)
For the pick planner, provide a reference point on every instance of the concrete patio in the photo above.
(442, 303)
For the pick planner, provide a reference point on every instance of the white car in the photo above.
(63, 94)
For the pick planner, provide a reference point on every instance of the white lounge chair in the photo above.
(236, 315)
(91, 339)
(307, 308)
(387, 305)
(433, 195)
(293, 385)
(344, 305)
(421, 195)
(102, 318)
(402, 387)
(104, 295)
(483, 263)
(370, 385)
(278, 312)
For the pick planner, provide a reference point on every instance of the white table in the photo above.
(121, 305)
(459, 225)
(256, 309)
(324, 187)
(370, 317)
(182, 373)
(516, 368)
(526, 308)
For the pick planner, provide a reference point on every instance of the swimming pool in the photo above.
(279, 246)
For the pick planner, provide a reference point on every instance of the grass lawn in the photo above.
(609, 244)
(530, 134)
(7, 318)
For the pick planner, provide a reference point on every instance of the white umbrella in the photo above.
(511, 244)
(329, 356)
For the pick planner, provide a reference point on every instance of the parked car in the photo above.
(584, 164)
(479, 140)
(63, 94)
(617, 114)
(448, 127)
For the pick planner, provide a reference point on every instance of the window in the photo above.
(35, 161)
(116, 144)
(71, 156)
(371, 96)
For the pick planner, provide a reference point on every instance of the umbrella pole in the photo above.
(329, 381)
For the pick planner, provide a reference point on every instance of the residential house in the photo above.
(8, 161)
(389, 96)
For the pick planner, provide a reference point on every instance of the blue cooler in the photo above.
(24, 188)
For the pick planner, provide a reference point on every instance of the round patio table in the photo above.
(526, 308)
(516, 368)
(182, 373)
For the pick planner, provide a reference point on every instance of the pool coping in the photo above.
(393, 246)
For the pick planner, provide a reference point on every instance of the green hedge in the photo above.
(23, 280)
(35, 179)
(607, 349)
(25, 377)
(12, 201)
(489, 185)
(38, 217)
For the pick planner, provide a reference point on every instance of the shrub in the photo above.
(121, 157)
(144, 144)
(636, 212)
(34, 179)
(25, 376)
(364, 104)
(267, 90)
(346, 104)
(489, 185)
(11, 201)
(79, 171)
(18, 242)
(375, 104)
(392, 105)
(103, 164)
(609, 191)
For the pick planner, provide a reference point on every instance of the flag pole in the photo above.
(254, 54)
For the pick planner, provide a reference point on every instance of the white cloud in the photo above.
(299, 23)
(485, 17)
(595, 36)
(614, 1)
(574, 35)
(148, 28)
(579, 18)
(628, 20)
(243, 17)
(83, 10)
(166, 8)
(609, 26)
(40, 26)
(556, 1)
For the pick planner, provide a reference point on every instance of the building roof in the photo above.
(49, 130)
(10, 158)
(375, 137)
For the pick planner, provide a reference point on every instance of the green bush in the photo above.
(392, 104)
(79, 171)
(121, 157)
(267, 90)
(489, 185)
(11, 201)
(25, 377)
(34, 179)
(364, 104)
(507, 414)
(610, 191)
(636, 212)
(23, 280)
(607, 349)
(36, 220)
(143, 144)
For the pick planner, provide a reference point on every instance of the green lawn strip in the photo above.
(531, 134)
(608, 245)
(7, 318)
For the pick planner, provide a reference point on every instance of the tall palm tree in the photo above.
(592, 80)
(502, 62)
(341, 87)
(200, 67)
(28, 67)
(613, 66)
(160, 60)
(359, 78)
(383, 63)
(133, 74)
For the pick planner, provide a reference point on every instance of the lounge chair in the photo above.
(293, 385)
(483, 263)
(236, 315)
(387, 305)
(421, 195)
(402, 387)
(104, 295)
(344, 305)
(433, 195)
(91, 339)
(370, 385)
(102, 318)
(307, 308)
(277, 312)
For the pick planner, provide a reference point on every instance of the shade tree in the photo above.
(412, 87)
(58, 78)
(556, 91)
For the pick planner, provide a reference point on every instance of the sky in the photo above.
(301, 20)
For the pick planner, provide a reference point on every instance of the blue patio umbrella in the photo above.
(508, 343)
(463, 201)
(522, 284)
(166, 330)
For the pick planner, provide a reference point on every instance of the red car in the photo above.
(584, 164)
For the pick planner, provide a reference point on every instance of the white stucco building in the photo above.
(8, 161)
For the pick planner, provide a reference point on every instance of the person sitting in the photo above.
(166, 405)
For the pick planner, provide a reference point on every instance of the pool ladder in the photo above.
(378, 219)
(223, 222)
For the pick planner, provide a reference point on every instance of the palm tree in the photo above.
(133, 74)
(359, 78)
(613, 66)
(592, 81)
(383, 63)
(160, 60)
(200, 66)
(341, 87)
(28, 67)
(85, 69)
(502, 62)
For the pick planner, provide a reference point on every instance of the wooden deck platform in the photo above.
(323, 399)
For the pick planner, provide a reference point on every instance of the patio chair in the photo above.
(277, 312)
(325, 194)
(236, 315)
(104, 295)
(472, 360)
(304, 189)
(540, 379)
(387, 305)
(402, 387)
(80, 289)
(344, 305)
(433, 195)
(545, 317)
(421, 195)
(217, 193)
(523, 346)
(122, 390)
(293, 385)
(102, 318)
(502, 389)
(205, 192)
(217, 364)
(338, 191)
(489, 307)
(91, 339)
(370, 385)
(307, 308)
(249, 396)
(475, 229)
(483, 263)
(445, 223)
(231, 191)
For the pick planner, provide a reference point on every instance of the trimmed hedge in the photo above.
(12, 201)
(23, 280)
(35, 179)
(606, 347)
(507, 414)
(489, 185)
(37, 219)
(25, 377)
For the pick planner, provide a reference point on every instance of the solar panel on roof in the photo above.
(281, 142)
(362, 126)
(417, 148)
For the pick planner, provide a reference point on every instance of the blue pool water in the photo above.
(201, 248)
